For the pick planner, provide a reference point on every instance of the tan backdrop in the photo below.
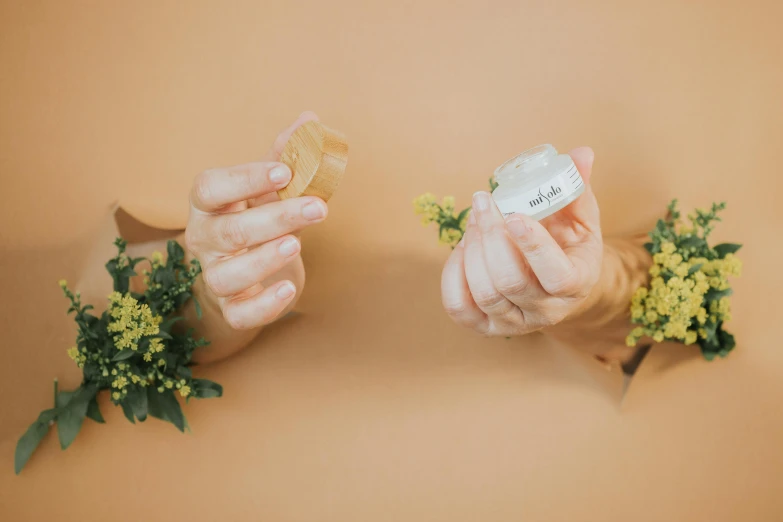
(370, 404)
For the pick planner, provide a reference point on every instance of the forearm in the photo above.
(602, 323)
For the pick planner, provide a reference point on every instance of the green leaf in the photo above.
(713, 294)
(128, 411)
(726, 248)
(184, 372)
(94, 411)
(168, 323)
(649, 247)
(199, 313)
(137, 400)
(164, 406)
(71, 416)
(462, 215)
(64, 397)
(727, 342)
(127, 353)
(127, 272)
(28, 442)
(206, 389)
(695, 268)
(163, 335)
(693, 241)
(174, 251)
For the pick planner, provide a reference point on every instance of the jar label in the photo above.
(537, 200)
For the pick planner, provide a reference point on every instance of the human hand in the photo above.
(515, 276)
(244, 236)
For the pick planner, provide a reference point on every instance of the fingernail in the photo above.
(280, 175)
(289, 247)
(314, 211)
(516, 226)
(481, 201)
(286, 290)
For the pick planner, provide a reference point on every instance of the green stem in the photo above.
(55, 392)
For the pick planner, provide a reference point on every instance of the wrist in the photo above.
(602, 321)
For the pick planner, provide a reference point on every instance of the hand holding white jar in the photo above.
(537, 265)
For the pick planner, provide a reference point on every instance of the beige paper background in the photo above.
(371, 405)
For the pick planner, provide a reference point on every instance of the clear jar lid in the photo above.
(531, 164)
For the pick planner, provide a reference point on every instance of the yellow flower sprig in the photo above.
(687, 299)
(451, 224)
(131, 351)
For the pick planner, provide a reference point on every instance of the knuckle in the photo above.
(567, 285)
(259, 263)
(487, 298)
(454, 308)
(233, 233)
(241, 176)
(286, 218)
(511, 284)
(191, 239)
(533, 248)
(551, 316)
(202, 187)
(483, 328)
(213, 281)
(233, 319)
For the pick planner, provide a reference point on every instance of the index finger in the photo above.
(215, 189)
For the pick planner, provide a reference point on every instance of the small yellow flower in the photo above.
(156, 345)
(168, 384)
(450, 237)
(668, 247)
(156, 258)
(658, 336)
(184, 391)
(73, 353)
(655, 270)
(120, 382)
(691, 337)
(161, 362)
(116, 396)
(147, 356)
(682, 270)
(63, 283)
(673, 261)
